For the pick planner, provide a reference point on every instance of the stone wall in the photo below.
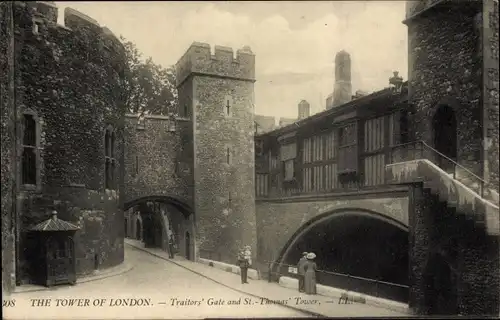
(444, 68)
(224, 195)
(7, 112)
(471, 255)
(278, 222)
(69, 78)
(490, 45)
(151, 153)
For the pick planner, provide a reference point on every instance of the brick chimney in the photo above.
(304, 109)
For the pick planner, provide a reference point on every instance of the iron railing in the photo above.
(372, 287)
(420, 150)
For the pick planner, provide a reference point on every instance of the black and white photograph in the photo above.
(249, 159)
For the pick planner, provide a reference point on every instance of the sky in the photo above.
(294, 42)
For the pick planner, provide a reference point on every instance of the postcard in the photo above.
(249, 159)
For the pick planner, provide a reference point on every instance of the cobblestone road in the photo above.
(158, 289)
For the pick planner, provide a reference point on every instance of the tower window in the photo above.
(110, 165)
(29, 150)
(186, 111)
(228, 106)
(228, 155)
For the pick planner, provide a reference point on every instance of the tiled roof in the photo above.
(55, 224)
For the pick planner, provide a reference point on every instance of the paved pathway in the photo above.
(314, 305)
(153, 289)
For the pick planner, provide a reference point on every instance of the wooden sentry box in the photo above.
(55, 251)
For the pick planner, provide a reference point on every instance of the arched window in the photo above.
(30, 149)
(110, 154)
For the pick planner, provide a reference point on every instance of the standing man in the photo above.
(171, 246)
(301, 270)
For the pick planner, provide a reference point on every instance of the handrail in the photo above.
(480, 180)
(343, 275)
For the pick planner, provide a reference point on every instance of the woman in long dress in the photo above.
(310, 274)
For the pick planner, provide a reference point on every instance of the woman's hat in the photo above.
(311, 255)
(304, 253)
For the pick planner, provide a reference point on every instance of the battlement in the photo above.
(100, 46)
(198, 59)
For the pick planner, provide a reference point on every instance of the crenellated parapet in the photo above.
(199, 59)
(80, 34)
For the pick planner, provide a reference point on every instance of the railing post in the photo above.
(482, 188)
(454, 171)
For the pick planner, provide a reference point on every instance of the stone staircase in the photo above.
(459, 191)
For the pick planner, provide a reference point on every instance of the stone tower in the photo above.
(216, 92)
(453, 100)
(304, 109)
(466, 85)
(342, 90)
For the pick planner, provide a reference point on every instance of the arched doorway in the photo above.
(188, 246)
(445, 136)
(441, 296)
(138, 230)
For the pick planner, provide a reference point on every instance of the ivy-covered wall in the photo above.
(7, 140)
(69, 78)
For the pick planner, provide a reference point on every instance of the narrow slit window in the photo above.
(228, 155)
(228, 106)
(110, 160)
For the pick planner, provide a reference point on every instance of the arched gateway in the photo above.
(158, 217)
(356, 248)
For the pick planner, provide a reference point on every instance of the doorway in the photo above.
(445, 137)
(188, 246)
(126, 228)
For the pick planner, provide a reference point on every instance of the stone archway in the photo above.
(162, 217)
(444, 125)
(356, 242)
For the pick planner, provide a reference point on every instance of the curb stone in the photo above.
(314, 314)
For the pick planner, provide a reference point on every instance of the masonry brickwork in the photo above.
(471, 256)
(490, 90)
(152, 149)
(435, 79)
(275, 233)
(68, 78)
(8, 143)
(452, 62)
(218, 91)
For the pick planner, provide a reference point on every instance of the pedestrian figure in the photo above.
(171, 247)
(243, 263)
(301, 271)
(248, 255)
(310, 274)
